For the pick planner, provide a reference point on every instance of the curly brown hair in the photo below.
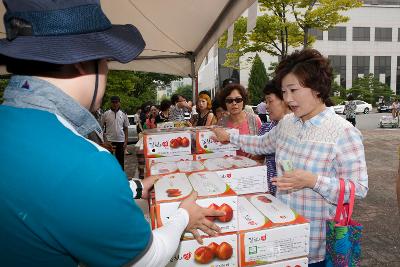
(311, 68)
(227, 90)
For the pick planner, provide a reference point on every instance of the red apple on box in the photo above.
(203, 255)
(185, 142)
(179, 140)
(212, 207)
(224, 251)
(174, 143)
(228, 213)
(214, 247)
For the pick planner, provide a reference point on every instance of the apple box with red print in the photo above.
(266, 225)
(166, 143)
(215, 251)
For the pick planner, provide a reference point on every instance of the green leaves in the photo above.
(284, 24)
(257, 80)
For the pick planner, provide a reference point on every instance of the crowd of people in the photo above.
(77, 207)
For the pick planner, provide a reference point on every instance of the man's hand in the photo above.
(197, 218)
(148, 183)
(108, 146)
(221, 135)
(297, 179)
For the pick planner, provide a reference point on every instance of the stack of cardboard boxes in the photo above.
(256, 230)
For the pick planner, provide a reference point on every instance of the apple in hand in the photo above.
(228, 213)
(212, 207)
(224, 251)
(204, 255)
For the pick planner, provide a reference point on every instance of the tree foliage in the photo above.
(134, 88)
(369, 89)
(257, 80)
(186, 91)
(285, 24)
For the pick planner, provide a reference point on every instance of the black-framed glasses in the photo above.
(237, 100)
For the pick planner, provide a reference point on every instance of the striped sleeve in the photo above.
(257, 145)
(351, 163)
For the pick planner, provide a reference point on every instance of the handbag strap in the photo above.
(345, 210)
(339, 207)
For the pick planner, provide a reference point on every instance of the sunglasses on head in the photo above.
(237, 100)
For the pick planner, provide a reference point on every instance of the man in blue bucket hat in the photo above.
(73, 206)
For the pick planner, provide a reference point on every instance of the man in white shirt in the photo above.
(115, 125)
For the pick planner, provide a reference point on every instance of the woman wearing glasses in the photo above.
(233, 99)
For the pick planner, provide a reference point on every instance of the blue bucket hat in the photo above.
(66, 32)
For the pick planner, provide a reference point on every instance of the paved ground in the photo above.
(378, 211)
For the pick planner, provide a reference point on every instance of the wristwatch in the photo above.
(139, 189)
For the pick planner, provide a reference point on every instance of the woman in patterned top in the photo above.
(277, 109)
(321, 145)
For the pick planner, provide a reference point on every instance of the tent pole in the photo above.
(195, 88)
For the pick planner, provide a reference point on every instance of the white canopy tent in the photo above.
(178, 33)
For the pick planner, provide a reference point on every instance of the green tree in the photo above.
(284, 24)
(186, 91)
(369, 89)
(257, 80)
(134, 88)
(3, 83)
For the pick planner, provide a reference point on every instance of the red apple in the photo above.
(228, 213)
(185, 142)
(224, 251)
(212, 207)
(174, 143)
(203, 255)
(214, 247)
(179, 140)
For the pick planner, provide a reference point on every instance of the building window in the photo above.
(360, 66)
(337, 34)
(317, 33)
(383, 34)
(361, 34)
(382, 68)
(398, 77)
(339, 67)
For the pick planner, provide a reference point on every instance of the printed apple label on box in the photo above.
(270, 245)
(248, 216)
(242, 162)
(190, 166)
(163, 168)
(172, 187)
(227, 223)
(206, 144)
(246, 180)
(208, 184)
(220, 251)
(217, 164)
(272, 208)
(299, 262)
(225, 154)
(167, 144)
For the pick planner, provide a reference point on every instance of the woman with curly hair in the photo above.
(320, 145)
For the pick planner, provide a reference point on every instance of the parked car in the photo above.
(362, 107)
(132, 132)
(384, 108)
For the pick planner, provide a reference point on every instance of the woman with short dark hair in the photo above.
(313, 146)
(233, 98)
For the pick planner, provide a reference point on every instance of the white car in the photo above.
(362, 107)
(132, 132)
